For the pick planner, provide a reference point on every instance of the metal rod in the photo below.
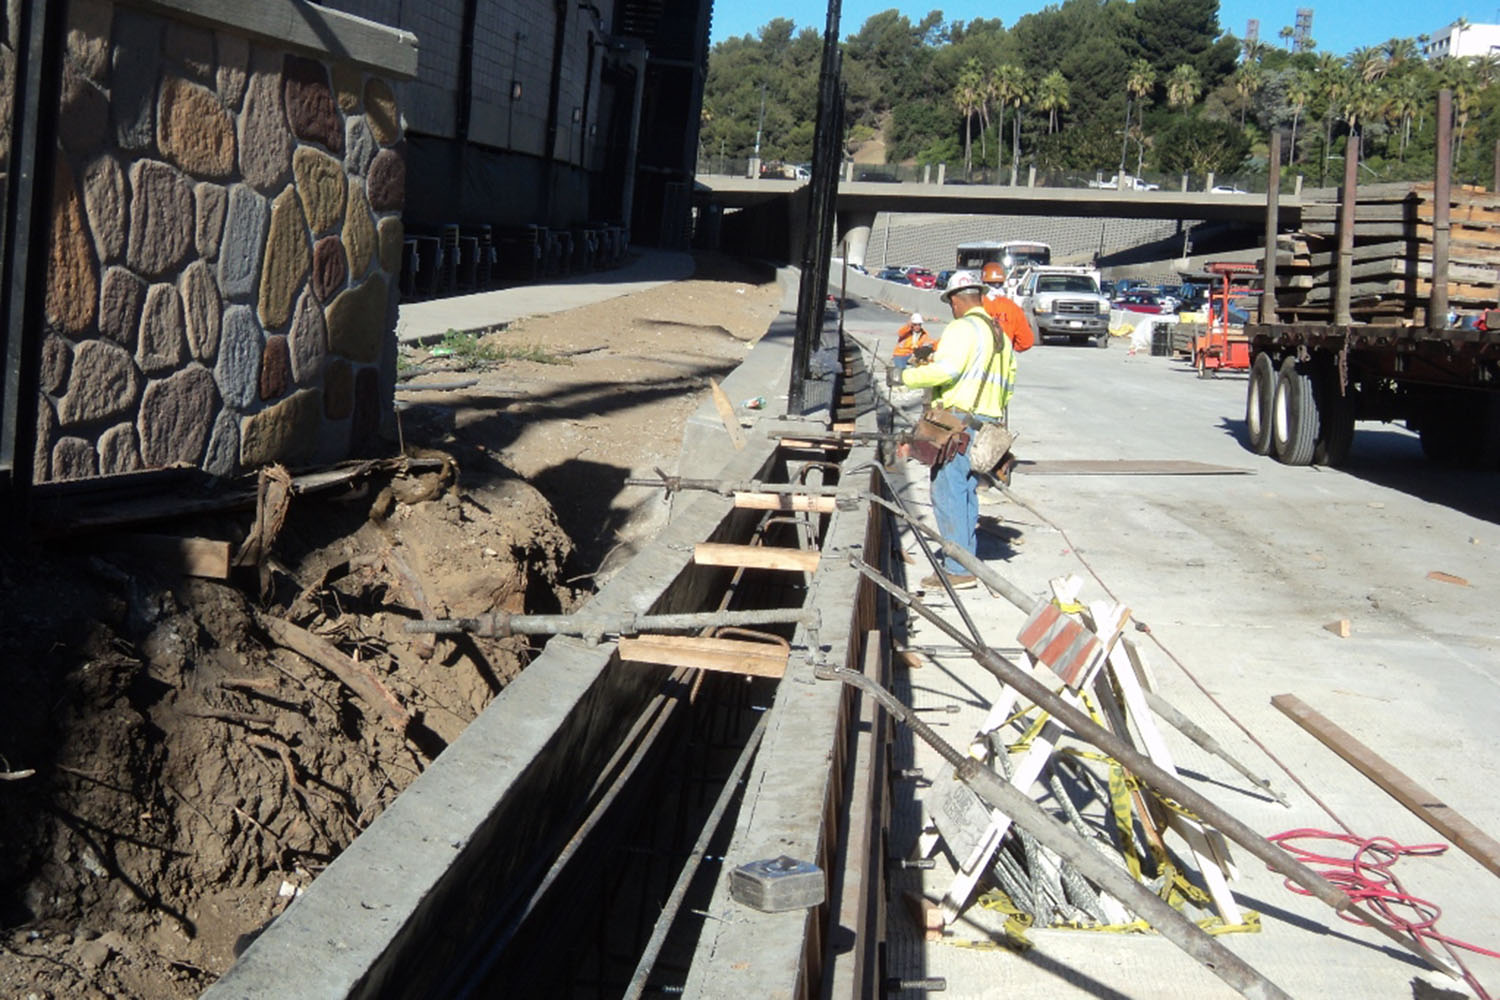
(690, 867)
(725, 487)
(1442, 190)
(1198, 735)
(1147, 770)
(499, 623)
(1273, 207)
(1001, 795)
(1344, 277)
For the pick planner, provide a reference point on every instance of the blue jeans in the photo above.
(900, 361)
(955, 505)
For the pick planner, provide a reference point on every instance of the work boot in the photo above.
(958, 581)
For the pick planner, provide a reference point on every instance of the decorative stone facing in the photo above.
(265, 140)
(382, 112)
(330, 268)
(359, 232)
(213, 205)
(193, 129)
(309, 104)
(161, 219)
(72, 287)
(321, 186)
(105, 200)
(200, 311)
(275, 368)
(191, 317)
(356, 321)
(308, 340)
(286, 432)
(163, 343)
(244, 242)
(119, 451)
(387, 181)
(287, 260)
(173, 423)
(238, 368)
(120, 306)
(104, 383)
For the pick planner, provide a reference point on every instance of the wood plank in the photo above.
(755, 557)
(1425, 805)
(734, 656)
(925, 914)
(728, 416)
(203, 557)
(797, 502)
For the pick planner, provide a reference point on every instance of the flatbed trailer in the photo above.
(1310, 383)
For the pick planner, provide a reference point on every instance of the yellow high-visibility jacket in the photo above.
(962, 371)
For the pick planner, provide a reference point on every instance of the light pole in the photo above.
(759, 126)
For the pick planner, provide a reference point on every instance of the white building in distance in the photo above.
(1463, 40)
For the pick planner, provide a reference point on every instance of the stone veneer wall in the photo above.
(226, 240)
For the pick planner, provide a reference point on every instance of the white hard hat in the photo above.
(963, 281)
(916, 319)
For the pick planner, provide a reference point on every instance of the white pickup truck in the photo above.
(1065, 302)
(1130, 183)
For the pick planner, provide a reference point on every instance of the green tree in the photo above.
(1197, 145)
(1138, 84)
(1248, 80)
(1298, 92)
(967, 96)
(1011, 89)
(1052, 97)
(1183, 87)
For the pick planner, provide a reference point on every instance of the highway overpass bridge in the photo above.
(768, 215)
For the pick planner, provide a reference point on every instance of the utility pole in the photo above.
(759, 127)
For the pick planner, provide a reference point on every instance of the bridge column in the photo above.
(927, 170)
(942, 174)
(1208, 185)
(854, 230)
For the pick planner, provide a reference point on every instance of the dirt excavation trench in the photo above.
(180, 756)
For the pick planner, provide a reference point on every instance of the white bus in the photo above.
(1009, 254)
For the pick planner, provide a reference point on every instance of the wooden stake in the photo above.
(1427, 807)
(1339, 628)
(784, 501)
(727, 414)
(756, 659)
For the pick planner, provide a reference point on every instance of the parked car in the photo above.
(1140, 302)
(893, 274)
(920, 277)
(942, 279)
(1226, 189)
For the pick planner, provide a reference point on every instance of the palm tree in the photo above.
(1369, 64)
(1406, 99)
(1361, 102)
(1399, 50)
(1052, 95)
(966, 95)
(1331, 80)
(1253, 49)
(1183, 86)
(1138, 83)
(1285, 34)
(1010, 87)
(1299, 91)
(1461, 78)
(1249, 78)
(986, 96)
(1486, 69)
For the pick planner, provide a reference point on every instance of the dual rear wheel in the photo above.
(1298, 412)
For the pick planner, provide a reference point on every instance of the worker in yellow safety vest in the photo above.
(973, 374)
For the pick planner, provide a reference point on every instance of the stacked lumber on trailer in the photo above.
(1391, 277)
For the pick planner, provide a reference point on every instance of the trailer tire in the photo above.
(1336, 411)
(1294, 423)
(1258, 395)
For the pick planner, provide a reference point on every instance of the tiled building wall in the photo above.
(226, 236)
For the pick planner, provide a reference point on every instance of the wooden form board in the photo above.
(757, 659)
(797, 502)
(1427, 806)
(728, 416)
(755, 557)
(203, 557)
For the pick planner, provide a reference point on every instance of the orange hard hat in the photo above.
(993, 273)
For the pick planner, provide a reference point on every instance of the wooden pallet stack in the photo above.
(1392, 271)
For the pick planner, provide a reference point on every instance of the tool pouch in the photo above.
(939, 435)
(990, 444)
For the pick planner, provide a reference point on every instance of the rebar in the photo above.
(1148, 771)
(595, 625)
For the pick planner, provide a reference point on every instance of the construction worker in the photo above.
(972, 373)
(1003, 309)
(912, 341)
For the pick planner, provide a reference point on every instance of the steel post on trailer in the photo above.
(1148, 771)
(1001, 795)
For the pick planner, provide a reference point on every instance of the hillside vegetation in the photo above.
(1092, 85)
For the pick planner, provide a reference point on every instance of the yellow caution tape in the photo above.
(1068, 607)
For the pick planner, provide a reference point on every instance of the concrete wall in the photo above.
(226, 237)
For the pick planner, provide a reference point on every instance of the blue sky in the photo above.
(1338, 26)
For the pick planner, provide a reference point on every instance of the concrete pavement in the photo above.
(429, 320)
(1236, 576)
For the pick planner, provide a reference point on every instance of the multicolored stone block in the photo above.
(226, 236)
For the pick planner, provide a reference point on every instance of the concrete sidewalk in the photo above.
(423, 322)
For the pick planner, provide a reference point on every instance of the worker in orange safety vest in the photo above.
(912, 342)
(1008, 316)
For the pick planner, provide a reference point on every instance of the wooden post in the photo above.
(1341, 316)
(1273, 209)
(1442, 190)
